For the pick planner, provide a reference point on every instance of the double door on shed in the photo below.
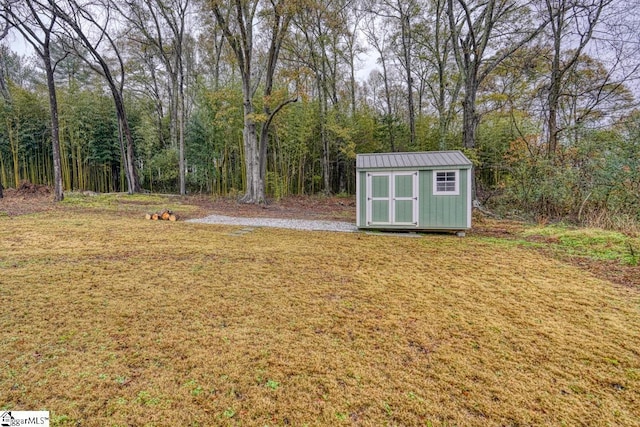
(392, 198)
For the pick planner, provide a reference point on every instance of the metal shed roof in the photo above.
(425, 159)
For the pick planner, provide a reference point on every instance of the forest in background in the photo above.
(261, 98)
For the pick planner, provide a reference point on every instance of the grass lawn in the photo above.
(111, 320)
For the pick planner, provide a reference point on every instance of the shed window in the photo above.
(446, 183)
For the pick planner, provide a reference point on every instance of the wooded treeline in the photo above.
(268, 98)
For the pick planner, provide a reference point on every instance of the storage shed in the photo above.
(414, 191)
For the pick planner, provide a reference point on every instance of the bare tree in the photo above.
(591, 97)
(353, 18)
(403, 13)
(443, 82)
(319, 26)
(572, 24)
(485, 33)
(80, 20)
(378, 39)
(162, 26)
(36, 23)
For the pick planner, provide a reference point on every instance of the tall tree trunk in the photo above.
(129, 166)
(440, 50)
(469, 115)
(255, 191)
(243, 46)
(470, 47)
(552, 123)
(15, 152)
(352, 86)
(279, 24)
(324, 139)
(406, 49)
(123, 156)
(342, 174)
(254, 181)
(181, 126)
(579, 19)
(387, 96)
(55, 128)
(556, 15)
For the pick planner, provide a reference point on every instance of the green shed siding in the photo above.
(449, 212)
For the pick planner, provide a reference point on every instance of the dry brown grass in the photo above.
(114, 321)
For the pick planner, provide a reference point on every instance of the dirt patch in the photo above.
(499, 228)
(299, 207)
(624, 275)
(27, 199)
(27, 188)
(542, 239)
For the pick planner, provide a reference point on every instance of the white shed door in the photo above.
(392, 198)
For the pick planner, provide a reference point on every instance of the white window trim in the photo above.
(455, 192)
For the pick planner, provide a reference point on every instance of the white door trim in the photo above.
(392, 198)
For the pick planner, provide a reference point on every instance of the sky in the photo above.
(365, 64)
(17, 43)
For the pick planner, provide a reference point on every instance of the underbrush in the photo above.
(624, 223)
(545, 210)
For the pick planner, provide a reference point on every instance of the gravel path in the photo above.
(295, 224)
